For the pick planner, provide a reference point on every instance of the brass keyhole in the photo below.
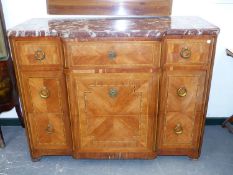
(113, 92)
(112, 55)
(50, 129)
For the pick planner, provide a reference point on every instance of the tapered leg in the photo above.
(2, 143)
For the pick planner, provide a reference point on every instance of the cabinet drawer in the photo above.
(184, 91)
(44, 92)
(188, 51)
(49, 131)
(38, 52)
(180, 130)
(113, 53)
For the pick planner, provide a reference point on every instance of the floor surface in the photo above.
(216, 159)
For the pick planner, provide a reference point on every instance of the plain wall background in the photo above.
(218, 12)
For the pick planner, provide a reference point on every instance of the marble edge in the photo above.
(130, 34)
(14, 32)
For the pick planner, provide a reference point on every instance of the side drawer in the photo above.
(38, 52)
(187, 51)
(45, 92)
(184, 91)
(49, 131)
(117, 53)
(180, 130)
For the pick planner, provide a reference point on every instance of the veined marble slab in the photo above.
(86, 28)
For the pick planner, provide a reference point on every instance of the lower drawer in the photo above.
(49, 131)
(180, 130)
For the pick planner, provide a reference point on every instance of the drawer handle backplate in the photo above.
(112, 55)
(182, 92)
(50, 129)
(186, 53)
(44, 93)
(178, 129)
(113, 92)
(39, 55)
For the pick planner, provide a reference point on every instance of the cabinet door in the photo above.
(181, 109)
(113, 112)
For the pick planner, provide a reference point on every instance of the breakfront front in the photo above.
(114, 88)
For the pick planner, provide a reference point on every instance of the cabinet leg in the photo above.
(194, 155)
(36, 159)
(2, 143)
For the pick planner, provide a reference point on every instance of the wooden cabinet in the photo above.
(114, 99)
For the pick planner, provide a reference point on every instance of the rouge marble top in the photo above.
(86, 28)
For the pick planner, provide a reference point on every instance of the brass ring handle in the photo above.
(185, 53)
(182, 92)
(44, 93)
(112, 55)
(178, 129)
(113, 92)
(39, 55)
(49, 129)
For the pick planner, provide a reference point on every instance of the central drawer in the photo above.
(117, 53)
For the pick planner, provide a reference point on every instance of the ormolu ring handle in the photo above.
(178, 129)
(182, 92)
(185, 53)
(113, 92)
(44, 93)
(49, 129)
(112, 55)
(39, 55)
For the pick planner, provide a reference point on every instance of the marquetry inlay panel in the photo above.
(115, 122)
